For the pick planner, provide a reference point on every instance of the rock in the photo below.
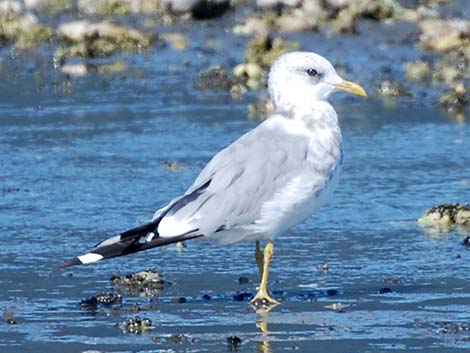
(377, 10)
(108, 298)
(243, 296)
(443, 35)
(456, 99)
(178, 41)
(274, 3)
(385, 290)
(264, 4)
(199, 9)
(89, 304)
(137, 325)
(99, 39)
(315, 9)
(337, 4)
(9, 316)
(180, 338)
(332, 292)
(454, 65)
(144, 283)
(10, 10)
(261, 110)
(337, 307)
(214, 78)
(248, 71)
(180, 246)
(447, 215)
(175, 338)
(390, 88)
(21, 27)
(297, 21)
(243, 280)
(171, 166)
(466, 241)
(31, 36)
(345, 22)
(418, 71)
(454, 328)
(119, 7)
(53, 6)
(254, 25)
(180, 7)
(263, 50)
(178, 300)
(234, 342)
(111, 68)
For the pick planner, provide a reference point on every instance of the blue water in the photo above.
(82, 160)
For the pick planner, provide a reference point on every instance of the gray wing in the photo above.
(231, 189)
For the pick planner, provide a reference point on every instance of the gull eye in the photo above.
(312, 72)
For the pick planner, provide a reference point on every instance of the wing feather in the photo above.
(240, 179)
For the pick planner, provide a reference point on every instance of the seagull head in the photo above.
(299, 79)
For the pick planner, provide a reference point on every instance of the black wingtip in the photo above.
(73, 262)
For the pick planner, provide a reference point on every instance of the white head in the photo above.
(299, 79)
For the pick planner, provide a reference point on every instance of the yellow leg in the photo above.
(259, 259)
(263, 298)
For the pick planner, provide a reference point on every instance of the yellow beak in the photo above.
(351, 87)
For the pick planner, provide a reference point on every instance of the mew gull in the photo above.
(270, 179)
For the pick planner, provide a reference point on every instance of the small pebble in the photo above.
(234, 342)
(244, 296)
(206, 297)
(178, 300)
(90, 303)
(466, 241)
(137, 325)
(385, 290)
(243, 280)
(108, 298)
(171, 166)
(338, 307)
(9, 316)
(332, 292)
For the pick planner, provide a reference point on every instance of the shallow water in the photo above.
(82, 160)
